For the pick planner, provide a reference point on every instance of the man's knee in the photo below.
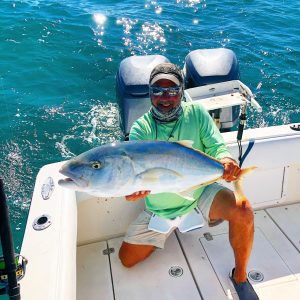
(244, 215)
(131, 254)
(225, 207)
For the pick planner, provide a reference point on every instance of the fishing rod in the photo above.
(8, 267)
(248, 98)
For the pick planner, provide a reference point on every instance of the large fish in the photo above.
(123, 168)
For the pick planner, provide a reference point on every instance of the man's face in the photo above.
(167, 100)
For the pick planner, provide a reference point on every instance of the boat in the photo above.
(72, 239)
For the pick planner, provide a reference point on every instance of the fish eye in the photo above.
(96, 165)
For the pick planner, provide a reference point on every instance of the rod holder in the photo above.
(8, 247)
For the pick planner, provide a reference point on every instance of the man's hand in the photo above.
(231, 169)
(137, 195)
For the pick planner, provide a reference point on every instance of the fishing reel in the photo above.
(20, 271)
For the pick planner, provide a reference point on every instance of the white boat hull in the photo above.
(85, 225)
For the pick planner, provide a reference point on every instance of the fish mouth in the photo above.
(72, 181)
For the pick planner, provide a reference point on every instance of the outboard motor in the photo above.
(209, 66)
(132, 87)
(202, 67)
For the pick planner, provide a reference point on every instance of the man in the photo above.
(170, 119)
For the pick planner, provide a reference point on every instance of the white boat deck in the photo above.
(201, 260)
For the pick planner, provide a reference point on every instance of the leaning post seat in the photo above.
(132, 87)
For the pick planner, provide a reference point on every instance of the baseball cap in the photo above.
(166, 71)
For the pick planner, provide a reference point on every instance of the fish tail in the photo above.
(239, 193)
(241, 199)
(247, 171)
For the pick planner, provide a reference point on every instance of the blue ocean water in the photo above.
(59, 60)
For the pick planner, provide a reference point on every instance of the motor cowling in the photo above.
(132, 87)
(209, 66)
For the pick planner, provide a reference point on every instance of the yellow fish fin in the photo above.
(189, 193)
(241, 199)
(240, 196)
(205, 183)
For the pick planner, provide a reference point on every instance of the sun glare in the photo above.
(100, 19)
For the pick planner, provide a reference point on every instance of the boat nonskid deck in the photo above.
(196, 265)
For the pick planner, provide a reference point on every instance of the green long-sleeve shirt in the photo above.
(194, 124)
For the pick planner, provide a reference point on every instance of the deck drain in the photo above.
(256, 276)
(175, 271)
(42, 222)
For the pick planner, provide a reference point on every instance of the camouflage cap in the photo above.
(166, 71)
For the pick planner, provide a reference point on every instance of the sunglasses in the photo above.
(170, 91)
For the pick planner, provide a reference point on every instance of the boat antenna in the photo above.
(8, 248)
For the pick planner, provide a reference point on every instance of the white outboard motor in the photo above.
(202, 67)
(210, 66)
(132, 87)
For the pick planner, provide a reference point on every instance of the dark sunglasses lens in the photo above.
(173, 91)
(158, 91)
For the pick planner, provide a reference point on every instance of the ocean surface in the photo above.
(59, 60)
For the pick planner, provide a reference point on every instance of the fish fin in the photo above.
(188, 195)
(240, 196)
(157, 174)
(241, 199)
(237, 184)
(205, 183)
(247, 171)
(186, 143)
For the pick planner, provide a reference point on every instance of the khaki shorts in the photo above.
(138, 232)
